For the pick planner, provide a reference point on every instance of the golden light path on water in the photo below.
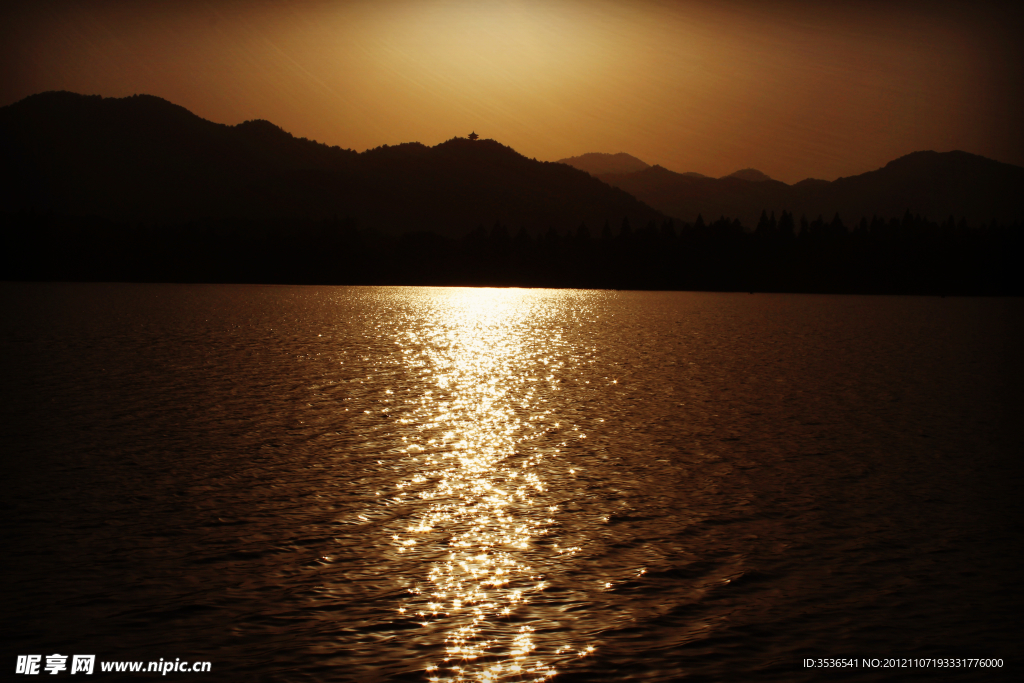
(491, 362)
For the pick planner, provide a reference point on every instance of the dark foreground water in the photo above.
(388, 484)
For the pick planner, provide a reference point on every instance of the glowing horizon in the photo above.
(790, 88)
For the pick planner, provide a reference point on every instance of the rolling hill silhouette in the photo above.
(143, 158)
(751, 174)
(596, 163)
(933, 184)
(140, 190)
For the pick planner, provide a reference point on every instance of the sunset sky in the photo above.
(796, 89)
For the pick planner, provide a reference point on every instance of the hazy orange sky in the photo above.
(796, 89)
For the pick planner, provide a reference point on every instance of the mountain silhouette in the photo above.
(685, 196)
(142, 158)
(596, 163)
(751, 174)
(933, 184)
(141, 190)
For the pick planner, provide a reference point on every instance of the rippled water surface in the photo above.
(409, 484)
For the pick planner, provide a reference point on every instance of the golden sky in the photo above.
(794, 88)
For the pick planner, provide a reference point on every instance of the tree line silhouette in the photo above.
(912, 255)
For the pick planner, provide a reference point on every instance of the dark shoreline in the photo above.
(909, 256)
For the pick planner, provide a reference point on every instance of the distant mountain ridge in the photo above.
(140, 190)
(750, 174)
(935, 185)
(142, 158)
(597, 163)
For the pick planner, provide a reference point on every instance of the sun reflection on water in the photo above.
(487, 370)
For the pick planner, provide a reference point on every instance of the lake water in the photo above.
(414, 484)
